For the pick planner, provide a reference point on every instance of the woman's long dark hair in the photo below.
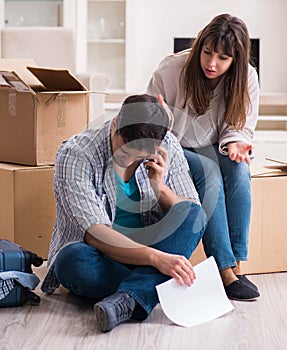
(230, 34)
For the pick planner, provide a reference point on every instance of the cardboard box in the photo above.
(268, 228)
(39, 109)
(27, 206)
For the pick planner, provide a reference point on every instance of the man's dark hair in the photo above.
(143, 119)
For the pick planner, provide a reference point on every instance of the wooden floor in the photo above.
(66, 322)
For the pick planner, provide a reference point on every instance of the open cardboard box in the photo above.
(268, 228)
(39, 109)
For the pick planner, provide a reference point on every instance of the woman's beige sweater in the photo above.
(209, 128)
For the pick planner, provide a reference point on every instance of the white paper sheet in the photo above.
(203, 301)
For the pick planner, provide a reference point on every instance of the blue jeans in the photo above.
(224, 190)
(85, 271)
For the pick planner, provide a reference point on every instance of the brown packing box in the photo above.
(39, 109)
(268, 229)
(27, 206)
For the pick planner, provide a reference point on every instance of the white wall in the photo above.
(152, 25)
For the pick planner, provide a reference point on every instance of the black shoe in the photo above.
(245, 280)
(113, 310)
(238, 290)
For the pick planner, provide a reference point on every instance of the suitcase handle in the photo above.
(36, 260)
(32, 259)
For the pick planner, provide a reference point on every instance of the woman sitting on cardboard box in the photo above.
(214, 93)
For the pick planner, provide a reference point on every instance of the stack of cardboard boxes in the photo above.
(39, 109)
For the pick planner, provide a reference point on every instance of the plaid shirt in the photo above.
(84, 186)
(5, 287)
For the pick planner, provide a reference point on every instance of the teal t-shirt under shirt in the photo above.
(128, 204)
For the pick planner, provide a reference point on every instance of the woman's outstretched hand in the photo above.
(240, 151)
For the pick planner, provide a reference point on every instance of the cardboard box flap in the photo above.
(19, 66)
(282, 162)
(17, 167)
(280, 169)
(279, 164)
(260, 171)
(11, 81)
(57, 79)
(3, 82)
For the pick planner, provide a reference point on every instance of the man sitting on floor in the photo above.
(128, 215)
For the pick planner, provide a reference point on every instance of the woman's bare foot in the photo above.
(228, 276)
(237, 268)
